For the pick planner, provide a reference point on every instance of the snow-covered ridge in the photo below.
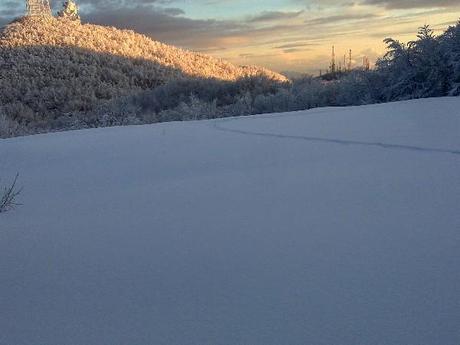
(51, 68)
(329, 226)
(169, 61)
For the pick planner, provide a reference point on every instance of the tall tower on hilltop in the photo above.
(38, 8)
(349, 60)
(366, 63)
(333, 66)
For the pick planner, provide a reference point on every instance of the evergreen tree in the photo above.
(450, 46)
(431, 73)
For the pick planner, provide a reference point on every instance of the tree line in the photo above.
(429, 66)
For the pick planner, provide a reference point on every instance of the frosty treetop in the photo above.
(43, 8)
(69, 11)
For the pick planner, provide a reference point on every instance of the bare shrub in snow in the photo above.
(8, 196)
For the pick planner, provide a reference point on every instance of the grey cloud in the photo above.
(340, 18)
(296, 45)
(174, 11)
(406, 4)
(295, 50)
(274, 15)
(165, 25)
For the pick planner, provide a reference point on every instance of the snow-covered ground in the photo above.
(324, 227)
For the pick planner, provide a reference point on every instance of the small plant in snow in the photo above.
(9, 195)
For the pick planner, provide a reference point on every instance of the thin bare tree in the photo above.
(9, 195)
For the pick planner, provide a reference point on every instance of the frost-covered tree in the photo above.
(193, 109)
(357, 88)
(8, 127)
(69, 11)
(431, 70)
(450, 46)
(425, 67)
(396, 67)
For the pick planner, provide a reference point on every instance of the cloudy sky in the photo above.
(282, 35)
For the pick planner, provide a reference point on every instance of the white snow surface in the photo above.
(335, 226)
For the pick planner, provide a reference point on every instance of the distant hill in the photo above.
(52, 66)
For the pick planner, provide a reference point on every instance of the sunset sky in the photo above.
(289, 35)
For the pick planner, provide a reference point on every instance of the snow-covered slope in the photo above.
(331, 226)
(50, 67)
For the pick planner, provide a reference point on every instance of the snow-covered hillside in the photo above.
(324, 227)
